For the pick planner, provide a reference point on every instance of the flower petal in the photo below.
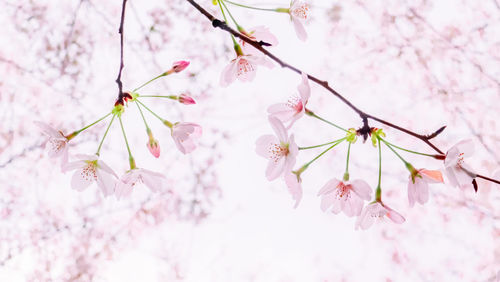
(362, 189)
(299, 29)
(279, 129)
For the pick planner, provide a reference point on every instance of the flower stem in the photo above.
(406, 150)
(392, 149)
(78, 131)
(231, 15)
(105, 134)
(225, 19)
(322, 153)
(162, 120)
(346, 174)
(321, 145)
(250, 7)
(324, 120)
(173, 97)
(130, 158)
(149, 81)
(143, 118)
(378, 192)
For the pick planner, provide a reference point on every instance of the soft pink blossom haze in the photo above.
(420, 64)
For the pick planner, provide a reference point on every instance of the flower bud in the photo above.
(186, 100)
(180, 66)
(154, 147)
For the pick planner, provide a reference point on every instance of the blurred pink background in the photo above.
(421, 64)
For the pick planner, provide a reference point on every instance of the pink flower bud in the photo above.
(180, 66)
(186, 100)
(154, 147)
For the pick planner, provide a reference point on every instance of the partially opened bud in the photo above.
(186, 100)
(180, 66)
(153, 146)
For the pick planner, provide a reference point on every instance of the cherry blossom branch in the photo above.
(365, 129)
(120, 31)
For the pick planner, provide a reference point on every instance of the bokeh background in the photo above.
(420, 64)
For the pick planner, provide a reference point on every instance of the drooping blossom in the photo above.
(57, 144)
(153, 147)
(294, 109)
(186, 136)
(90, 169)
(298, 14)
(186, 100)
(377, 210)
(418, 185)
(281, 150)
(258, 33)
(457, 171)
(242, 68)
(153, 180)
(293, 183)
(345, 196)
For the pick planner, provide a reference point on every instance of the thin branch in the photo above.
(120, 31)
(364, 116)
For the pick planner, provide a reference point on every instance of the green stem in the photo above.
(230, 15)
(143, 118)
(324, 120)
(148, 82)
(162, 120)
(173, 97)
(406, 150)
(250, 7)
(346, 173)
(378, 192)
(105, 134)
(321, 145)
(394, 151)
(78, 131)
(125, 137)
(322, 153)
(225, 19)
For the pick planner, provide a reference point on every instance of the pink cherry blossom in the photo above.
(153, 180)
(293, 182)
(180, 66)
(418, 185)
(457, 171)
(295, 107)
(153, 147)
(345, 196)
(186, 100)
(298, 14)
(186, 135)
(281, 150)
(242, 68)
(90, 169)
(258, 33)
(57, 144)
(377, 210)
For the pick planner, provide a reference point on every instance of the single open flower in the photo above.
(186, 136)
(298, 14)
(295, 107)
(293, 183)
(242, 68)
(418, 185)
(90, 169)
(345, 196)
(377, 210)
(153, 180)
(57, 144)
(281, 150)
(457, 171)
(258, 33)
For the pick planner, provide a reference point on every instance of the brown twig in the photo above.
(365, 129)
(364, 116)
(120, 31)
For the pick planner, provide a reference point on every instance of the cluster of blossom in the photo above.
(90, 169)
(345, 195)
(244, 66)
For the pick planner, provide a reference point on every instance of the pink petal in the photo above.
(228, 75)
(431, 176)
(275, 168)
(412, 194)
(106, 183)
(294, 188)
(245, 70)
(81, 180)
(279, 129)
(264, 144)
(299, 29)
(353, 206)
(102, 165)
(395, 216)
(329, 187)
(48, 130)
(304, 88)
(362, 189)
